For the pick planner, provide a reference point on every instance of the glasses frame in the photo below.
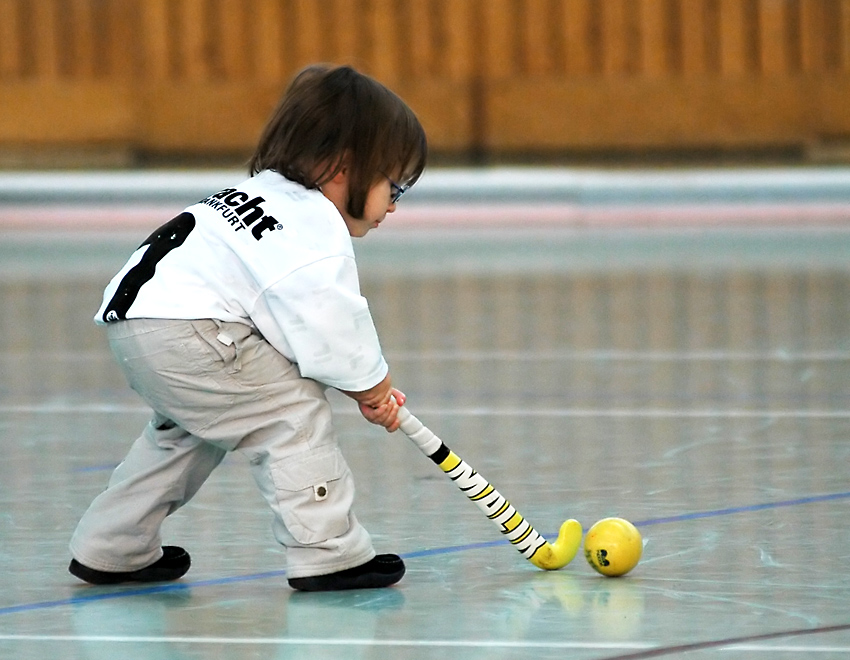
(397, 190)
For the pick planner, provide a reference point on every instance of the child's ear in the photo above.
(341, 175)
(342, 163)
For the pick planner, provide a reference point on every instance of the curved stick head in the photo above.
(553, 556)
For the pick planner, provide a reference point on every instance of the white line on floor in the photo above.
(304, 641)
(627, 356)
(618, 413)
(532, 355)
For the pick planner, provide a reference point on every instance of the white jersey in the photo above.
(268, 253)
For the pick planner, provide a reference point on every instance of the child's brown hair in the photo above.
(334, 116)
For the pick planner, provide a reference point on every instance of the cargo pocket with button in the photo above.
(315, 492)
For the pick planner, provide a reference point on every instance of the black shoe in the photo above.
(172, 565)
(382, 571)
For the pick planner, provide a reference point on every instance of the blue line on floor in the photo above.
(181, 586)
(744, 509)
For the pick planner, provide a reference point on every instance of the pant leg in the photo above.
(285, 426)
(225, 386)
(163, 470)
(311, 493)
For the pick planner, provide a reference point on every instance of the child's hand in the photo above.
(385, 414)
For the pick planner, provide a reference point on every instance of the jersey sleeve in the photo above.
(316, 317)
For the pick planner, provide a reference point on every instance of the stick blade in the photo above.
(553, 556)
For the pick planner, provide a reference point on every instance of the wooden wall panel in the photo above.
(422, 52)
(202, 118)
(538, 54)
(695, 27)
(618, 38)
(450, 118)
(202, 76)
(844, 34)
(268, 42)
(345, 39)
(580, 42)
(457, 41)
(735, 37)
(657, 39)
(304, 27)
(154, 40)
(500, 44)
(58, 113)
(742, 114)
(10, 29)
(773, 53)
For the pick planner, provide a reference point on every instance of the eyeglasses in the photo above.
(397, 190)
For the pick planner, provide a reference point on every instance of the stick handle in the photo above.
(521, 534)
(421, 435)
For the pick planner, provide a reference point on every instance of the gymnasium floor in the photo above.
(692, 379)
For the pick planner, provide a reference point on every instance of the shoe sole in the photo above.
(171, 566)
(350, 579)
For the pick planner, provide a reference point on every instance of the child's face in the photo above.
(378, 204)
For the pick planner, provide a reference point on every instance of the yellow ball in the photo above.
(613, 546)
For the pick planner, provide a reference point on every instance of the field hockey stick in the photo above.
(531, 545)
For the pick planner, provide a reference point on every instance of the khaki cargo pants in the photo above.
(218, 387)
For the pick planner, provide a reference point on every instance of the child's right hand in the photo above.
(385, 414)
(380, 404)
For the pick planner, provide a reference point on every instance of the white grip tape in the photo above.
(422, 436)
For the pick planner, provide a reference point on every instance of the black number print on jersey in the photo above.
(171, 235)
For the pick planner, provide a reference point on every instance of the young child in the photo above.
(232, 320)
